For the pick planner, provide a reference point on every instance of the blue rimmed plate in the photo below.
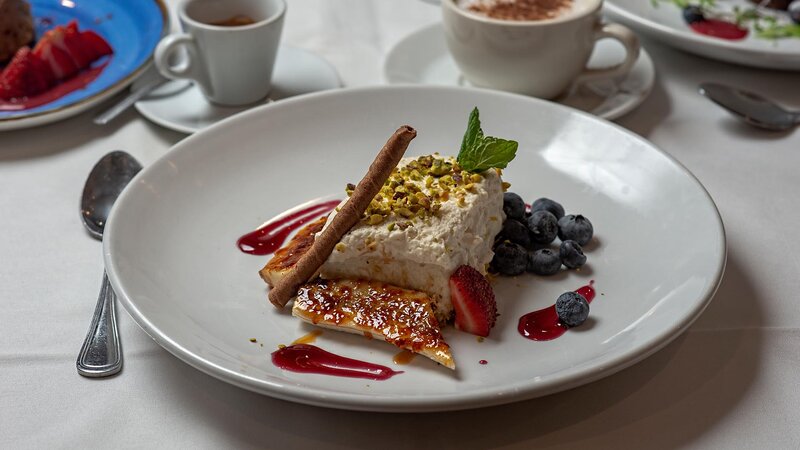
(132, 28)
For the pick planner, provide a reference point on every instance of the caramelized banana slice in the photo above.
(287, 256)
(398, 316)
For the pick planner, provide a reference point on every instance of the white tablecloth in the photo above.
(729, 382)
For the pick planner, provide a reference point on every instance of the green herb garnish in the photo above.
(479, 152)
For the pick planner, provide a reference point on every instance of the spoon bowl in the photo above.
(105, 182)
(752, 108)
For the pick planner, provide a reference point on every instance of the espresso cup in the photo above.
(232, 65)
(540, 58)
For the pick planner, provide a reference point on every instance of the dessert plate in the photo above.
(422, 58)
(180, 106)
(664, 21)
(172, 258)
(132, 28)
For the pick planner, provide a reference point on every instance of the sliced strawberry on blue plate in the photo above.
(26, 75)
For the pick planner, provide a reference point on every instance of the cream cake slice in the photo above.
(429, 218)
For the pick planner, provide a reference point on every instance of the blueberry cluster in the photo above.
(525, 241)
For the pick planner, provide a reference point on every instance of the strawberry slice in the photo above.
(81, 54)
(473, 300)
(49, 51)
(99, 47)
(26, 75)
(60, 53)
(68, 50)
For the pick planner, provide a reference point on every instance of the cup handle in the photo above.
(627, 38)
(191, 69)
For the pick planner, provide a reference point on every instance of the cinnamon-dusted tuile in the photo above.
(346, 218)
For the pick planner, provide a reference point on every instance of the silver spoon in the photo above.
(133, 96)
(750, 107)
(100, 355)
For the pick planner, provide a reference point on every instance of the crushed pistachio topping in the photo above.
(417, 190)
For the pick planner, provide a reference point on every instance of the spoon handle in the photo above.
(133, 97)
(100, 354)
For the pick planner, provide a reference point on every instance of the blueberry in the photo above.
(575, 228)
(571, 254)
(543, 226)
(692, 14)
(572, 309)
(509, 259)
(545, 204)
(794, 11)
(544, 262)
(513, 206)
(516, 232)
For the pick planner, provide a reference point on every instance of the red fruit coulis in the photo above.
(271, 236)
(543, 325)
(306, 358)
(79, 81)
(719, 29)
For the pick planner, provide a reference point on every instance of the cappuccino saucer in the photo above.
(422, 58)
(179, 105)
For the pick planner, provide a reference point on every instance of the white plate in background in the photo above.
(665, 23)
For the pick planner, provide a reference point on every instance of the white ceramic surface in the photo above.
(541, 58)
(666, 24)
(232, 65)
(171, 255)
(422, 58)
(181, 106)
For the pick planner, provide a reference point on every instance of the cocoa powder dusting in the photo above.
(521, 9)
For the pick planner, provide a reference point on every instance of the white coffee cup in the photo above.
(232, 65)
(541, 58)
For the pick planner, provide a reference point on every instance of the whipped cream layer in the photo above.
(421, 252)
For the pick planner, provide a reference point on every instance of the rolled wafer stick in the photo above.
(350, 213)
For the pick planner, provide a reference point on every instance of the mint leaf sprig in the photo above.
(479, 152)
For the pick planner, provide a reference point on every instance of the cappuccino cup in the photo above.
(230, 48)
(541, 53)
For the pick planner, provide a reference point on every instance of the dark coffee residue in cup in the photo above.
(234, 21)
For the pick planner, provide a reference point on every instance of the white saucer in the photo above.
(422, 58)
(179, 105)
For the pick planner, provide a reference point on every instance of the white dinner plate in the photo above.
(665, 23)
(171, 254)
(422, 58)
